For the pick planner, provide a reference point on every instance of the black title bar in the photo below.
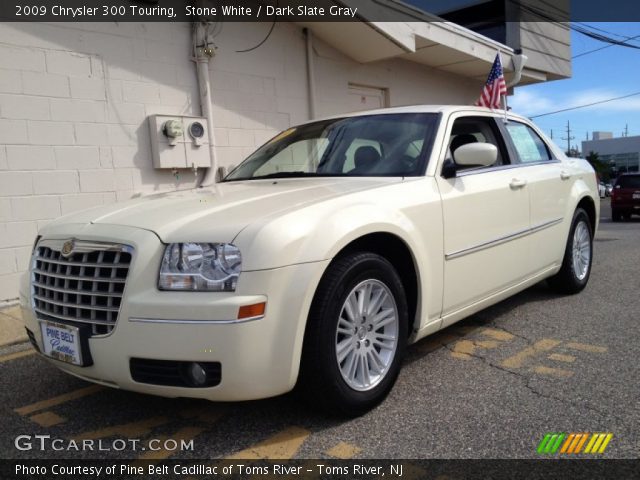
(483, 11)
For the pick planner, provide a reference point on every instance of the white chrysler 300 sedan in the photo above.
(316, 261)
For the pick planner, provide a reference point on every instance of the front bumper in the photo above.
(259, 358)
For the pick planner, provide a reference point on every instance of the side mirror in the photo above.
(476, 154)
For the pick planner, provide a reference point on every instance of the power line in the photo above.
(585, 105)
(600, 29)
(602, 48)
(602, 38)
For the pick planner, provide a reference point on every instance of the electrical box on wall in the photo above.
(179, 141)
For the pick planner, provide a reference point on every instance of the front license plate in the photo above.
(61, 342)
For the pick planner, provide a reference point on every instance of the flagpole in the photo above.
(504, 105)
(504, 97)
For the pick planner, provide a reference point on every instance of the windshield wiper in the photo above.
(276, 175)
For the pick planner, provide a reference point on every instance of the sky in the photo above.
(608, 73)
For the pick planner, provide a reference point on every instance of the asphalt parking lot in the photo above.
(489, 387)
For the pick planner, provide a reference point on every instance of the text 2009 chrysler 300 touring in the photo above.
(316, 260)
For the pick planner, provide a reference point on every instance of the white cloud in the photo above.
(527, 103)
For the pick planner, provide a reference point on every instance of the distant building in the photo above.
(602, 135)
(620, 154)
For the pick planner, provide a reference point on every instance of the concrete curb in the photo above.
(11, 327)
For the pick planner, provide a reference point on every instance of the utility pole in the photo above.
(568, 139)
(626, 129)
(552, 134)
(587, 136)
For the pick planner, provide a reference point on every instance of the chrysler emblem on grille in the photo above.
(67, 248)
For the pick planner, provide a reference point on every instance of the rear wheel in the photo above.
(576, 264)
(356, 335)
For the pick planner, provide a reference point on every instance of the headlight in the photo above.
(200, 266)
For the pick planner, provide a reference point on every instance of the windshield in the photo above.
(371, 145)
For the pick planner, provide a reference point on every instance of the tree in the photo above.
(598, 165)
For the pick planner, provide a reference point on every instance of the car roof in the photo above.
(444, 109)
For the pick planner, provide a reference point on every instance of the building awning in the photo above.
(433, 42)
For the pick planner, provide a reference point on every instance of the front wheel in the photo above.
(356, 335)
(576, 264)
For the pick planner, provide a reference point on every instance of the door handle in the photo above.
(516, 183)
(564, 175)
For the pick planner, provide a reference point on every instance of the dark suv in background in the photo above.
(625, 197)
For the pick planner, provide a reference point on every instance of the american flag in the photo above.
(494, 88)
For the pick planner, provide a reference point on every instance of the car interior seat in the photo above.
(460, 140)
(365, 159)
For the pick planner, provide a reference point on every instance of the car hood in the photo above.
(220, 212)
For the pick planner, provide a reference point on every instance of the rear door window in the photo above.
(528, 144)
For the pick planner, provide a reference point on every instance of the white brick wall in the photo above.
(45, 84)
(74, 99)
(29, 157)
(24, 107)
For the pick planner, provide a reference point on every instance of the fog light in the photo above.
(197, 374)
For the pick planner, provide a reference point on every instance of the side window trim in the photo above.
(478, 171)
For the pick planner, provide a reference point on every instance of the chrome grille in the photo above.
(85, 286)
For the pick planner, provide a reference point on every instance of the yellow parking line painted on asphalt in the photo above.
(131, 430)
(14, 355)
(463, 349)
(517, 360)
(47, 419)
(585, 347)
(60, 399)
(344, 451)
(185, 434)
(497, 334)
(281, 446)
(558, 357)
(553, 372)
(487, 343)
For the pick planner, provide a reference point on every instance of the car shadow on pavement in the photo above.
(485, 318)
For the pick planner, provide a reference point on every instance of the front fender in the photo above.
(409, 210)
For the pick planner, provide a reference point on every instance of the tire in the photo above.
(575, 271)
(341, 387)
(616, 216)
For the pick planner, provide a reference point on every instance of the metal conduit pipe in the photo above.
(202, 56)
